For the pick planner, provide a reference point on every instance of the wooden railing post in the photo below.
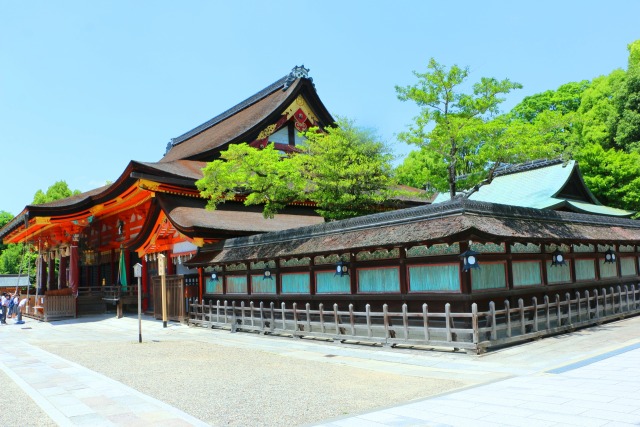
(596, 298)
(492, 313)
(251, 316)
(234, 323)
(567, 296)
(308, 311)
(474, 324)
(272, 309)
(425, 321)
(405, 321)
(336, 318)
(578, 307)
(507, 309)
(523, 329)
(320, 309)
(385, 315)
(352, 320)
(534, 302)
(367, 309)
(447, 312)
(262, 324)
(547, 313)
(284, 316)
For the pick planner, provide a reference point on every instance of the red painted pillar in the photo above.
(62, 272)
(42, 279)
(145, 284)
(114, 267)
(51, 270)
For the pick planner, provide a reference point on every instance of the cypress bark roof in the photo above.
(458, 219)
(244, 121)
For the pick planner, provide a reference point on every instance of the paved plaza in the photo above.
(590, 377)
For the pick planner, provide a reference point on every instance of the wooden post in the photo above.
(336, 318)
(322, 329)
(523, 329)
(308, 311)
(385, 314)
(367, 309)
(546, 312)
(474, 323)
(492, 312)
(251, 308)
(447, 312)
(507, 309)
(262, 324)
(162, 262)
(425, 321)
(569, 314)
(352, 320)
(405, 321)
(284, 316)
(534, 301)
(558, 311)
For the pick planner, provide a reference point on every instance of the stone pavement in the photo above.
(600, 391)
(73, 395)
(588, 377)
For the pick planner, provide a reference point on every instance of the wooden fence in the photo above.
(474, 332)
(50, 307)
(175, 287)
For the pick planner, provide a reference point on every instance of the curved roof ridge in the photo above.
(283, 82)
(453, 207)
(526, 166)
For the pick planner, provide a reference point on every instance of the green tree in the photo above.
(463, 132)
(348, 170)
(345, 170)
(612, 175)
(5, 218)
(16, 258)
(627, 100)
(263, 176)
(597, 112)
(566, 99)
(59, 190)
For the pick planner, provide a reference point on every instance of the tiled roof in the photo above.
(190, 214)
(539, 185)
(435, 223)
(245, 120)
(13, 280)
(278, 84)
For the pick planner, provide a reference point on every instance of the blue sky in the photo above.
(87, 86)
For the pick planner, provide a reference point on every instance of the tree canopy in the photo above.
(345, 170)
(461, 136)
(16, 258)
(462, 139)
(57, 191)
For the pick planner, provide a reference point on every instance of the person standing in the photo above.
(5, 305)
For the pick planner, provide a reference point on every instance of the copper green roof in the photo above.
(552, 184)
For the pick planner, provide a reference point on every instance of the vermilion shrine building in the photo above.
(154, 208)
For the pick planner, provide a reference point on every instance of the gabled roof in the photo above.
(190, 217)
(543, 184)
(455, 220)
(13, 280)
(244, 122)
